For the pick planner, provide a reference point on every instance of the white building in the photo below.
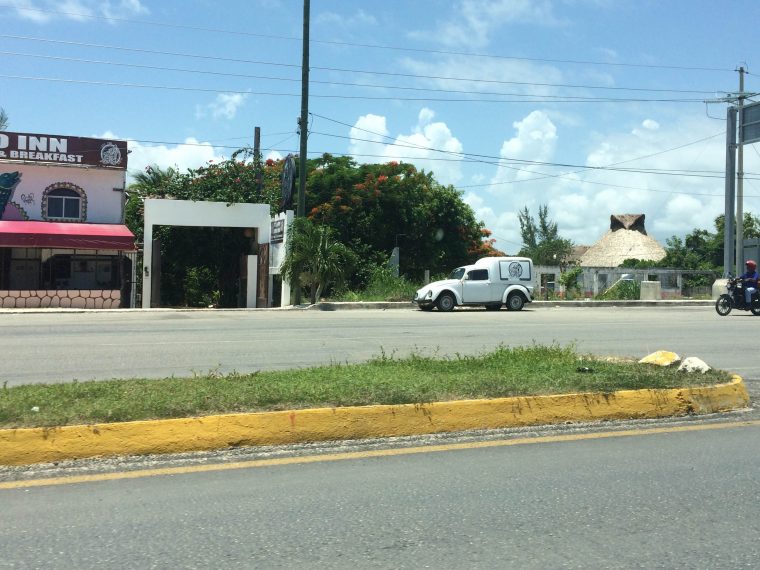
(62, 235)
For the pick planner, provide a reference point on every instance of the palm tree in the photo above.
(314, 258)
(153, 180)
(3, 119)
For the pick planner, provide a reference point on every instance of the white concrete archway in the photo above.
(161, 212)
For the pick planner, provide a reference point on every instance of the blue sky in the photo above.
(592, 107)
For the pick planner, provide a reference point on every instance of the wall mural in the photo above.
(10, 210)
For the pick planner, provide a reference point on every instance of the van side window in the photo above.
(478, 275)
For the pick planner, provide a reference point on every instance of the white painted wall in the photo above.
(104, 205)
(198, 214)
(276, 255)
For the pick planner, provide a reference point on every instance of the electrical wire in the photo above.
(499, 161)
(369, 46)
(344, 83)
(605, 184)
(531, 98)
(330, 69)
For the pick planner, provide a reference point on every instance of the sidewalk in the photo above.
(384, 305)
(587, 304)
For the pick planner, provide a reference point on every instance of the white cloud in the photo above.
(489, 77)
(358, 18)
(368, 137)
(191, 154)
(684, 213)
(650, 124)
(426, 116)
(42, 11)
(74, 10)
(674, 204)
(582, 200)
(225, 106)
(122, 8)
(534, 141)
(370, 142)
(28, 10)
(473, 22)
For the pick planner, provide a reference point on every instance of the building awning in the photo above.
(60, 235)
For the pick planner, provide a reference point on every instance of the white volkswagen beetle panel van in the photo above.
(491, 282)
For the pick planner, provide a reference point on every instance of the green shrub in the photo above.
(569, 280)
(383, 285)
(201, 288)
(623, 290)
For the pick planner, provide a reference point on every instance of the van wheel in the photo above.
(515, 302)
(446, 302)
(493, 307)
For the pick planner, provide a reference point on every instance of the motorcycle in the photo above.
(734, 299)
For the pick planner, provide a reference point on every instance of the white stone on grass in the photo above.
(693, 364)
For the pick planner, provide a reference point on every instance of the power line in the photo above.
(331, 69)
(605, 184)
(499, 161)
(371, 46)
(524, 98)
(349, 84)
(410, 158)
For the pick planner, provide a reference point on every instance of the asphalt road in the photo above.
(674, 493)
(675, 499)
(60, 347)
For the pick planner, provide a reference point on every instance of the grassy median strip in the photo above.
(501, 373)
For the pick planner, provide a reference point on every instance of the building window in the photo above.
(64, 202)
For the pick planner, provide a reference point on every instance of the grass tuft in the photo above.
(386, 379)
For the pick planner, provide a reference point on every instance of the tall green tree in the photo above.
(541, 240)
(376, 207)
(314, 258)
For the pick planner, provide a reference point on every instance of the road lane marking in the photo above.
(254, 463)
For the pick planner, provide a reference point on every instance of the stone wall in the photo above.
(74, 299)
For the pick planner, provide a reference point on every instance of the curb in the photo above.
(41, 445)
(381, 305)
(346, 305)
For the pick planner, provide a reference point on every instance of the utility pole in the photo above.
(303, 121)
(257, 157)
(740, 181)
(728, 230)
(734, 209)
(303, 125)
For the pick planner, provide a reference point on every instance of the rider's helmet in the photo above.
(751, 265)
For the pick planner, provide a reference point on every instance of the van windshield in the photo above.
(458, 273)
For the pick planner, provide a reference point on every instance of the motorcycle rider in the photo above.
(749, 279)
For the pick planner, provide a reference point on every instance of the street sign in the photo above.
(750, 124)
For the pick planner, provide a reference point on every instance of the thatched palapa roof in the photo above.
(626, 239)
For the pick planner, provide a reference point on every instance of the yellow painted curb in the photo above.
(38, 445)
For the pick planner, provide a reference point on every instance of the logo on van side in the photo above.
(515, 269)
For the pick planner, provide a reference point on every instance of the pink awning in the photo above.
(66, 235)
